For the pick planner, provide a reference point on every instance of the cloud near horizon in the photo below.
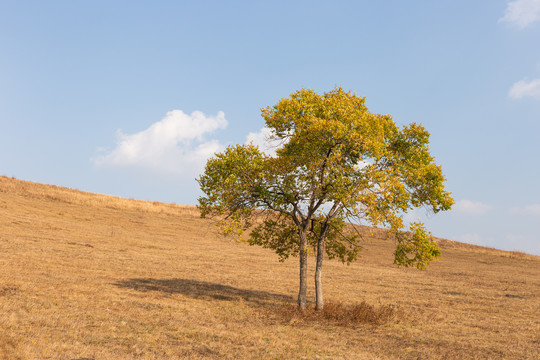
(533, 209)
(472, 207)
(521, 13)
(470, 238)
(176, 144)
(524, 88)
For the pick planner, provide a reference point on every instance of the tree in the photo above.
(336, 164)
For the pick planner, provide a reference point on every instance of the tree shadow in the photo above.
(203, 290)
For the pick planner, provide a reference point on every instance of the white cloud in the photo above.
(533, 209)
(513, 238)
(522, 13)
(470, 238)
(509, 242)
(472, 207)
(175, 144)
(265, 140)
(525, 88)
(528, 244)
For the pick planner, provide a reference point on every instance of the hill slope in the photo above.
(93, 276)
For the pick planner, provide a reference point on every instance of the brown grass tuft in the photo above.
(362, 313)
(338, 314)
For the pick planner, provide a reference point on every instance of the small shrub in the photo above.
(358, 313)
(337, 313)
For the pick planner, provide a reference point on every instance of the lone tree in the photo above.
(335, 163)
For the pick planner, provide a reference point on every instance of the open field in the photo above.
(98, 277)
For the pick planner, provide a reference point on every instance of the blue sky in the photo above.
(130, 97)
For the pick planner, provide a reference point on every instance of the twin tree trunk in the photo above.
(302, 293)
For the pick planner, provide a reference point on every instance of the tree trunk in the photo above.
(319, 301)
(302, 293)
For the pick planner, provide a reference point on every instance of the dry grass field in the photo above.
(88, 276)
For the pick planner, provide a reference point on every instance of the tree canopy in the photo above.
(335, 163)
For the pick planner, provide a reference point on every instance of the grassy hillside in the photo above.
(98, 277)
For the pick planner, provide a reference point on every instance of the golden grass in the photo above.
(88, 276)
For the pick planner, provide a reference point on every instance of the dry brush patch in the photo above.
(91, 276)
(336, 314)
